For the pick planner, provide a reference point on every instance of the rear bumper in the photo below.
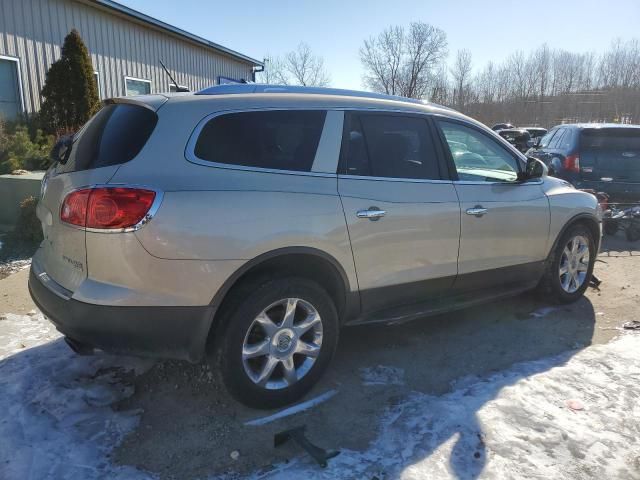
(617, 191)
(162, 332)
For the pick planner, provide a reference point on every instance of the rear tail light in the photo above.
(572, 163)
(108, 208)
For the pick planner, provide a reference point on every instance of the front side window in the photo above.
(546, 139)
(478, 157)
(281, 140)
(557, 139)
(137, 86)
(389, 146)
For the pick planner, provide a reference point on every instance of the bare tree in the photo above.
(305, 68)
(402, 62)
(461, 72)
(298, 67)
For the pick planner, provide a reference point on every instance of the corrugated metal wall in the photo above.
(33, 31)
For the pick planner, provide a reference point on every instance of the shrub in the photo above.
(28, 228)
(70, 92)
(20, 150)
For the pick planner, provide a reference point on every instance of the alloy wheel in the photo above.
(282, 343)
(574, 264)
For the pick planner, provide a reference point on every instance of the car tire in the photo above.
(257, 335)
(569, 271)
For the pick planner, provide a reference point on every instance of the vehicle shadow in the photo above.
(190, 426)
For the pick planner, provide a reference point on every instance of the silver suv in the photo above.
(247, 224)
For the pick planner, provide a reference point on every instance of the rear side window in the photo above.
(389, 146)
(625, 139)
(114, 135)
(281, 140)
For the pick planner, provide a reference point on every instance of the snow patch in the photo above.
(57, 417)
(562, 417)
(382, 375)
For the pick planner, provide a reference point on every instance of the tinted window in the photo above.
(544, 141)
(557, 139)
(390, 146)
(626, 139)
(282, 140)
(114, 135)
(477, 156)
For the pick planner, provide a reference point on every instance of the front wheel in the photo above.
(570, 268)
(278, 338)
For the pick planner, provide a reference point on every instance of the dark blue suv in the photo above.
(601, 156)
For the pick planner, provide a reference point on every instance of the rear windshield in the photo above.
(282, 140)
(114, 135)
(612, 139)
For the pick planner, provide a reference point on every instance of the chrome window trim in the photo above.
(392, 179)
(191, 156)
(153, 210)
(19, 74)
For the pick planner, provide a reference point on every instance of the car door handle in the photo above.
(477, 211)
(373, 213)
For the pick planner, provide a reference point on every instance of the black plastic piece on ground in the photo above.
(296, 434)
(595, 282)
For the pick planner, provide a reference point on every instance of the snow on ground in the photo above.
(56, 421)
(567, 417)
(573, 416)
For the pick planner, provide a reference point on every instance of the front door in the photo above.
(504, 222)
(402, 214)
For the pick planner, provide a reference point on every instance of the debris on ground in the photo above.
(382, 375)
(632, 325)
(575, 405)
(296, 434)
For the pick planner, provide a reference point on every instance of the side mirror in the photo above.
(62, 149)
(533, 169)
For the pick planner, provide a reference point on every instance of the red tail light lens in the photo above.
(107, 208)
(572, 163)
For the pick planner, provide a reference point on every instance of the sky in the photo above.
(336, 29)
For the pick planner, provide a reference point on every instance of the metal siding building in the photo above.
(125, 48)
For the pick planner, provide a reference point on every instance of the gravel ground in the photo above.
(189, 427)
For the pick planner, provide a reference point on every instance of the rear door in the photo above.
(610, 154)
(505, 223)
(401, 210)
(113, 136)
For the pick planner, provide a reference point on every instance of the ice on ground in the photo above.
(543, 312)
(573, 416)
(382, 375)
(515, 424)
(57, 421)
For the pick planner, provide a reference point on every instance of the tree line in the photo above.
(545, 86)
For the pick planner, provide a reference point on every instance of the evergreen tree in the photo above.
(70, 93)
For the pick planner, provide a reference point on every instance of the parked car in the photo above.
(247, 224)
(501, 126)
(601, 157)
(536, 132)
(518, 137)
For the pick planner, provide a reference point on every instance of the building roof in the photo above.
(130, 12)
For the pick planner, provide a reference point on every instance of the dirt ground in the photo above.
(190, 426)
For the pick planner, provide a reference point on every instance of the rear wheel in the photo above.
(570, 269)
(278, 337)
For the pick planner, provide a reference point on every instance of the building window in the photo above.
(10, 91)
(172, 88)
(96, 75)
(137, 86)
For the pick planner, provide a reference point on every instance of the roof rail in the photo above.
(240, 88)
